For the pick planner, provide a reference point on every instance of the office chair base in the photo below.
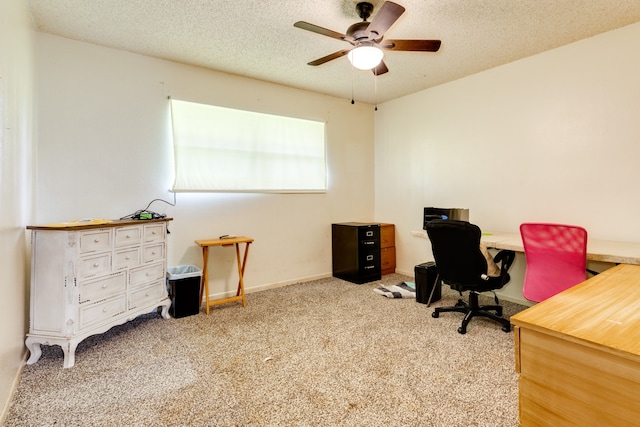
(472, 309)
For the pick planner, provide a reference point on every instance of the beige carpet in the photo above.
(321, 353)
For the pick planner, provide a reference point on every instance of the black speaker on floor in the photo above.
(425, 277)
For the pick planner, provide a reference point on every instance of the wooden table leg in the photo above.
(205, 278)
(241, 265)
(244, 263)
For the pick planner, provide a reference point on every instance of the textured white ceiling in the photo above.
(257, 39)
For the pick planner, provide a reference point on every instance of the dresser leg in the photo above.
(34, 349)
(165, 308)
(69, 351)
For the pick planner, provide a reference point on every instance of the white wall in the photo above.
(554, 137)
(16, 187)
(105, 151)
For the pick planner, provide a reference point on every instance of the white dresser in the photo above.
(85, 279)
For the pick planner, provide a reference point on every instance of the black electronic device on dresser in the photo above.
(356, 251)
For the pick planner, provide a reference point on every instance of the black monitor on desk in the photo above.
(444, 213)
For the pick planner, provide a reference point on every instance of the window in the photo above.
(222, 149)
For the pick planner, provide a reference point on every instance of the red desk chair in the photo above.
(556, 256)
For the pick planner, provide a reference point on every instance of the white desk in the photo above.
(597, 250)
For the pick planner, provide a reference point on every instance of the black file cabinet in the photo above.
(356, 251)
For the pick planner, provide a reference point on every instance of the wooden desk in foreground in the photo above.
(578, 354)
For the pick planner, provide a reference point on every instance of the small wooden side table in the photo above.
(204, 244)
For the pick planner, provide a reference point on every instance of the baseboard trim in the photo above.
(14, 388)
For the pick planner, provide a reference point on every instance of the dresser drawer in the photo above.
(93, 265)
(95, 241)
(127, 236)
(147, 294)
(153, 252)
(145, 274)
(126, 258)
(154, 232)
(102, 312)
(105, 287)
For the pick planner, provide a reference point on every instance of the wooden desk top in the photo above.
(94, 223)
(224, 242)
(603, 312)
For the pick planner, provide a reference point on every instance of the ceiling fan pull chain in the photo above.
(352, 101)
(375, 90)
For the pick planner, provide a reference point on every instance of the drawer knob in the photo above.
(96, 264)
(104, 286)
(96, 241)
(128, 237)
(104, 310)
(153, 253)
(127, 258)
(146, 294)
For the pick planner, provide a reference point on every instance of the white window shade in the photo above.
(222, 149)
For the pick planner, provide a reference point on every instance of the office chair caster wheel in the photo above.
(506, 328)
(462, 330)
(435, 314)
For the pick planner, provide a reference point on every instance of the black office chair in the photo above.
(462, 266)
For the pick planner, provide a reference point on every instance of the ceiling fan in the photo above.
(367, 38)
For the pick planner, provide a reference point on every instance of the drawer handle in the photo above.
(153, 253)
(148, 273)
(104, 310)
(104, 286)
(96, 264)
(128, 237)
(153, 232)
(96, 240)
(147, 294)
(127, 258)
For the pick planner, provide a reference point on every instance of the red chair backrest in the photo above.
(556, 256)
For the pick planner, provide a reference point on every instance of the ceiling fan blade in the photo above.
(319, 30)
(384, 19)
(328, 58)
(412, 45)
(380, 69)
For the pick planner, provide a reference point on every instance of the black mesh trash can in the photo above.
(425, 277)
(183, 285)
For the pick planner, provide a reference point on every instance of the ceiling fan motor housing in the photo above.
(364, 10)
(358, 30)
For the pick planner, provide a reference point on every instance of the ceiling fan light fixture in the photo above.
(365, 57)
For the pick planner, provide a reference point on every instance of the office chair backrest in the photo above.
(456, 249)
(556, 256)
